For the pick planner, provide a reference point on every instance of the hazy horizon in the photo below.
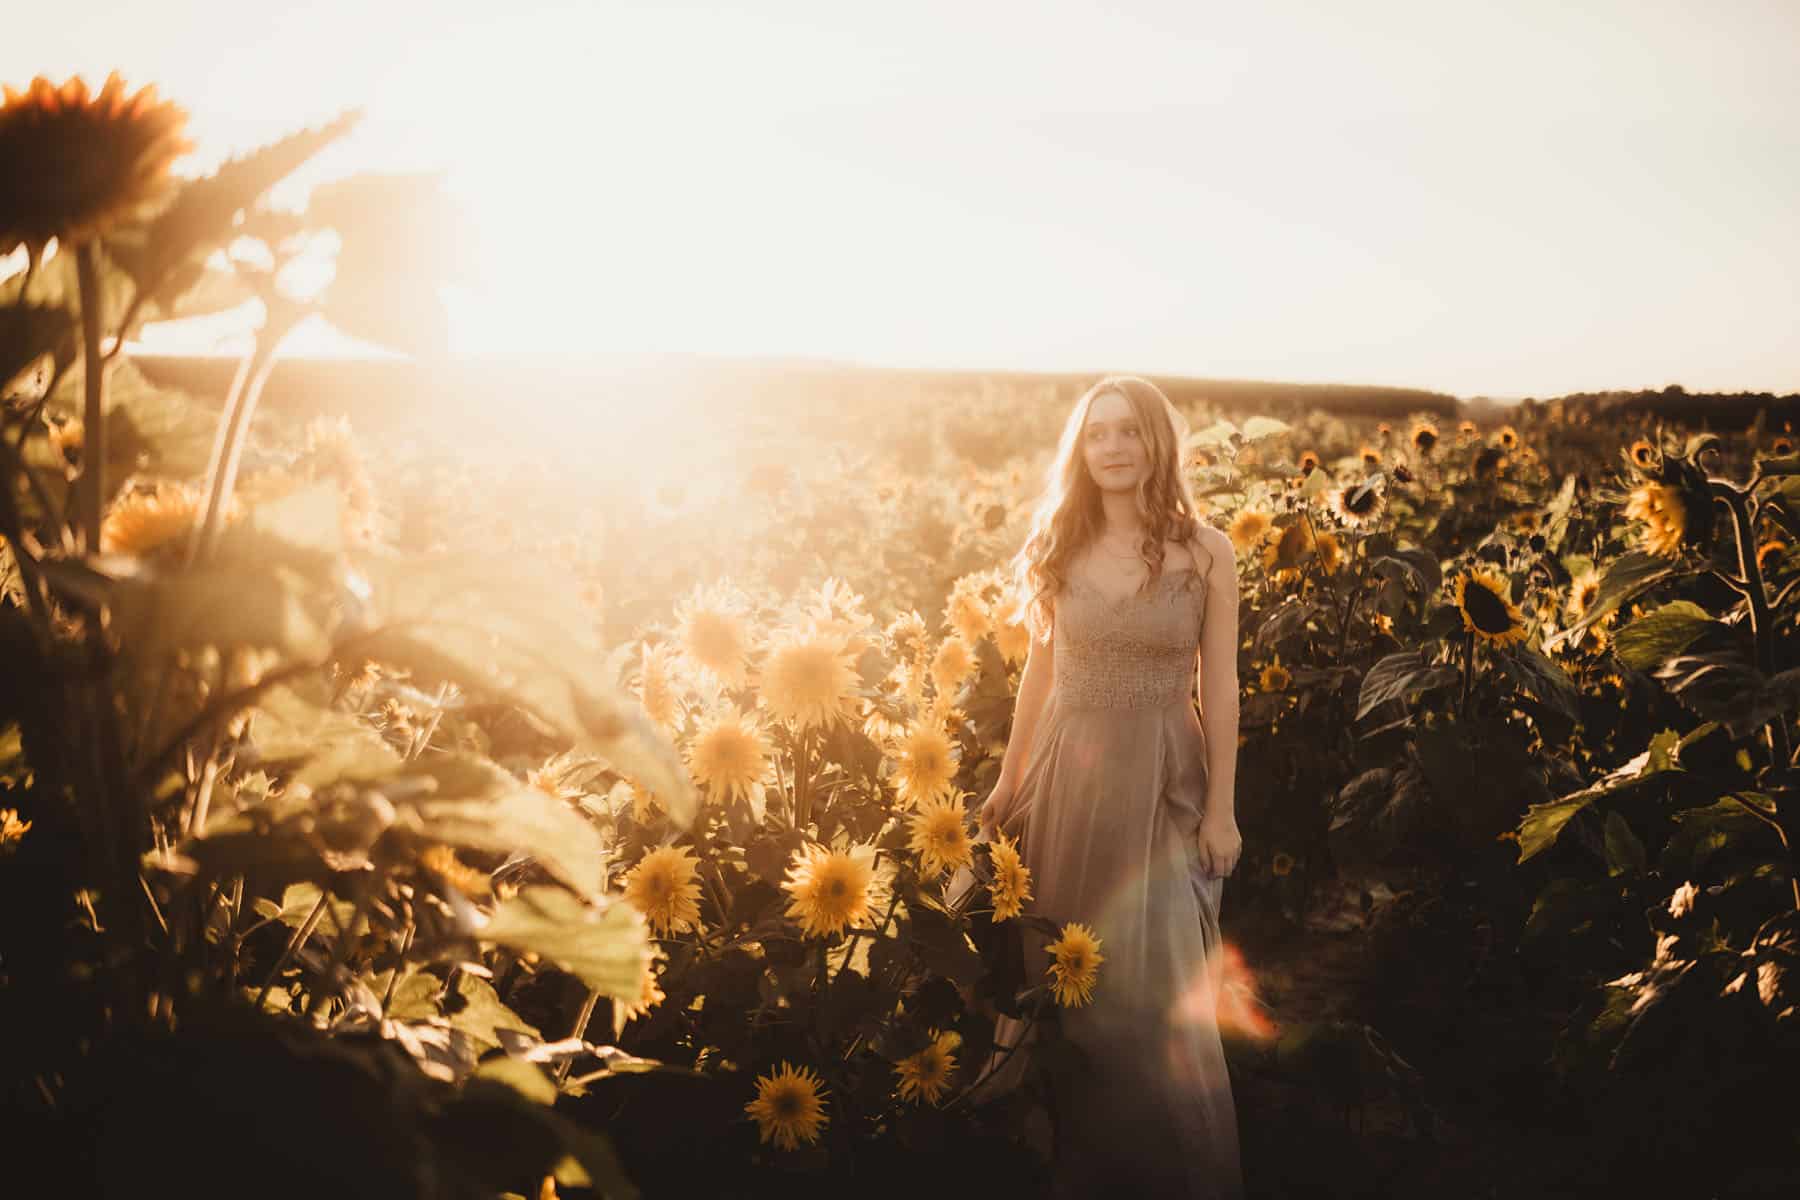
(1533, 200)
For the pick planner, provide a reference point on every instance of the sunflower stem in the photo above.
(91, 484)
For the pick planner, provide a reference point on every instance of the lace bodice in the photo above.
(1136, 652)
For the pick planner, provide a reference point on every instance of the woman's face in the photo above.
(1113, 445)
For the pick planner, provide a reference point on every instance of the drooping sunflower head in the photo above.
(926, 762)
(1328, 552)
(940, 836)
(789, 1107)
(1424, 437)
(665, 887)
(925, 1076)
(808, 678)
(830, 890)
(1012, 879)
(1663, 512)
(713, 631)
(1248, 528)
(77, 165)
(1075, 960)
(1484, 599)
(142, 522)
(1290, 547)
(730, 753)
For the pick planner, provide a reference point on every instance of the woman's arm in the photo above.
(1218, 684)
(1034, 686)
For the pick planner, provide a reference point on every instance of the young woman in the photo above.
(1121, 798)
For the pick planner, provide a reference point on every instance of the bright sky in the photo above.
(1486, 199)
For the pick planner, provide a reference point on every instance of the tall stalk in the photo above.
(91, 485)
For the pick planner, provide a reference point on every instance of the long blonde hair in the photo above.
(1069, 515)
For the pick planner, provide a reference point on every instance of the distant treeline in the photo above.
(376, 391)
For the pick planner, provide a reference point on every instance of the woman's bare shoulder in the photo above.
(1209, 547)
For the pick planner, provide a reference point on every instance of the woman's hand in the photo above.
(1220, 843)
(995, 809)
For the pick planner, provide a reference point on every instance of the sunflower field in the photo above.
(443, 804)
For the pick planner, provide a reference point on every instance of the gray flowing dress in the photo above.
(1106, 815)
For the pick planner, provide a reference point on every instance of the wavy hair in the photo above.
(1069, 515)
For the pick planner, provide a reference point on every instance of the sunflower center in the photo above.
(1485, 609)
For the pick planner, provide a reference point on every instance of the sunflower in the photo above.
(1770, 554)
(1290, 547)
(1527, 522)
(730, 754)
(1282, 863)
(1248, 528)
(665, 887)
(908, 634)
(940, 836)
(1487, 462)
(1664, 514)
(655, 690)
(1781, 446)
(441, 861)
(1012, 638)
(1507, 438)
(808, 678)
(75, 165)
(951, 665)
(1309, 462)
(650, 994)
(831, 890)
(714, 634)
(1644, 454)
(926, 1075)
(1012, 880)
(1357, 504)
(927, 762)
(12, 830)
(625, 791)
(966, 612)
(1581, 594)
(1487, 608)
(837, 609)
(142, 521)
(1328, 552)
(1075, 965)
(789, 1107)
(1371, 457)
(1275, 677)
(1466, 429)
(1384, 430)
(1424, 437)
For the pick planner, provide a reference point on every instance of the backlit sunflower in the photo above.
(940, 836)
(655, 689)
(665, 887)
(1357, 504)
(730, 754)
(1328, 553)
(808, 678)
(951, 666)
(1424, 437)
(141, 522)
(966, 612)
(908, 634)
(1248, 528)
(926, 762)
(1012, 638)
(789, 1107)
(830, 890)
(1309, 462)
(837, 609)
(1075, 965)
(1012, 880)
(650, 995)
(76, 165)
(1644, 454)
(1275, 678)
(1488, 612)
(1664, 514)
(714, 634)
(926, 1075)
